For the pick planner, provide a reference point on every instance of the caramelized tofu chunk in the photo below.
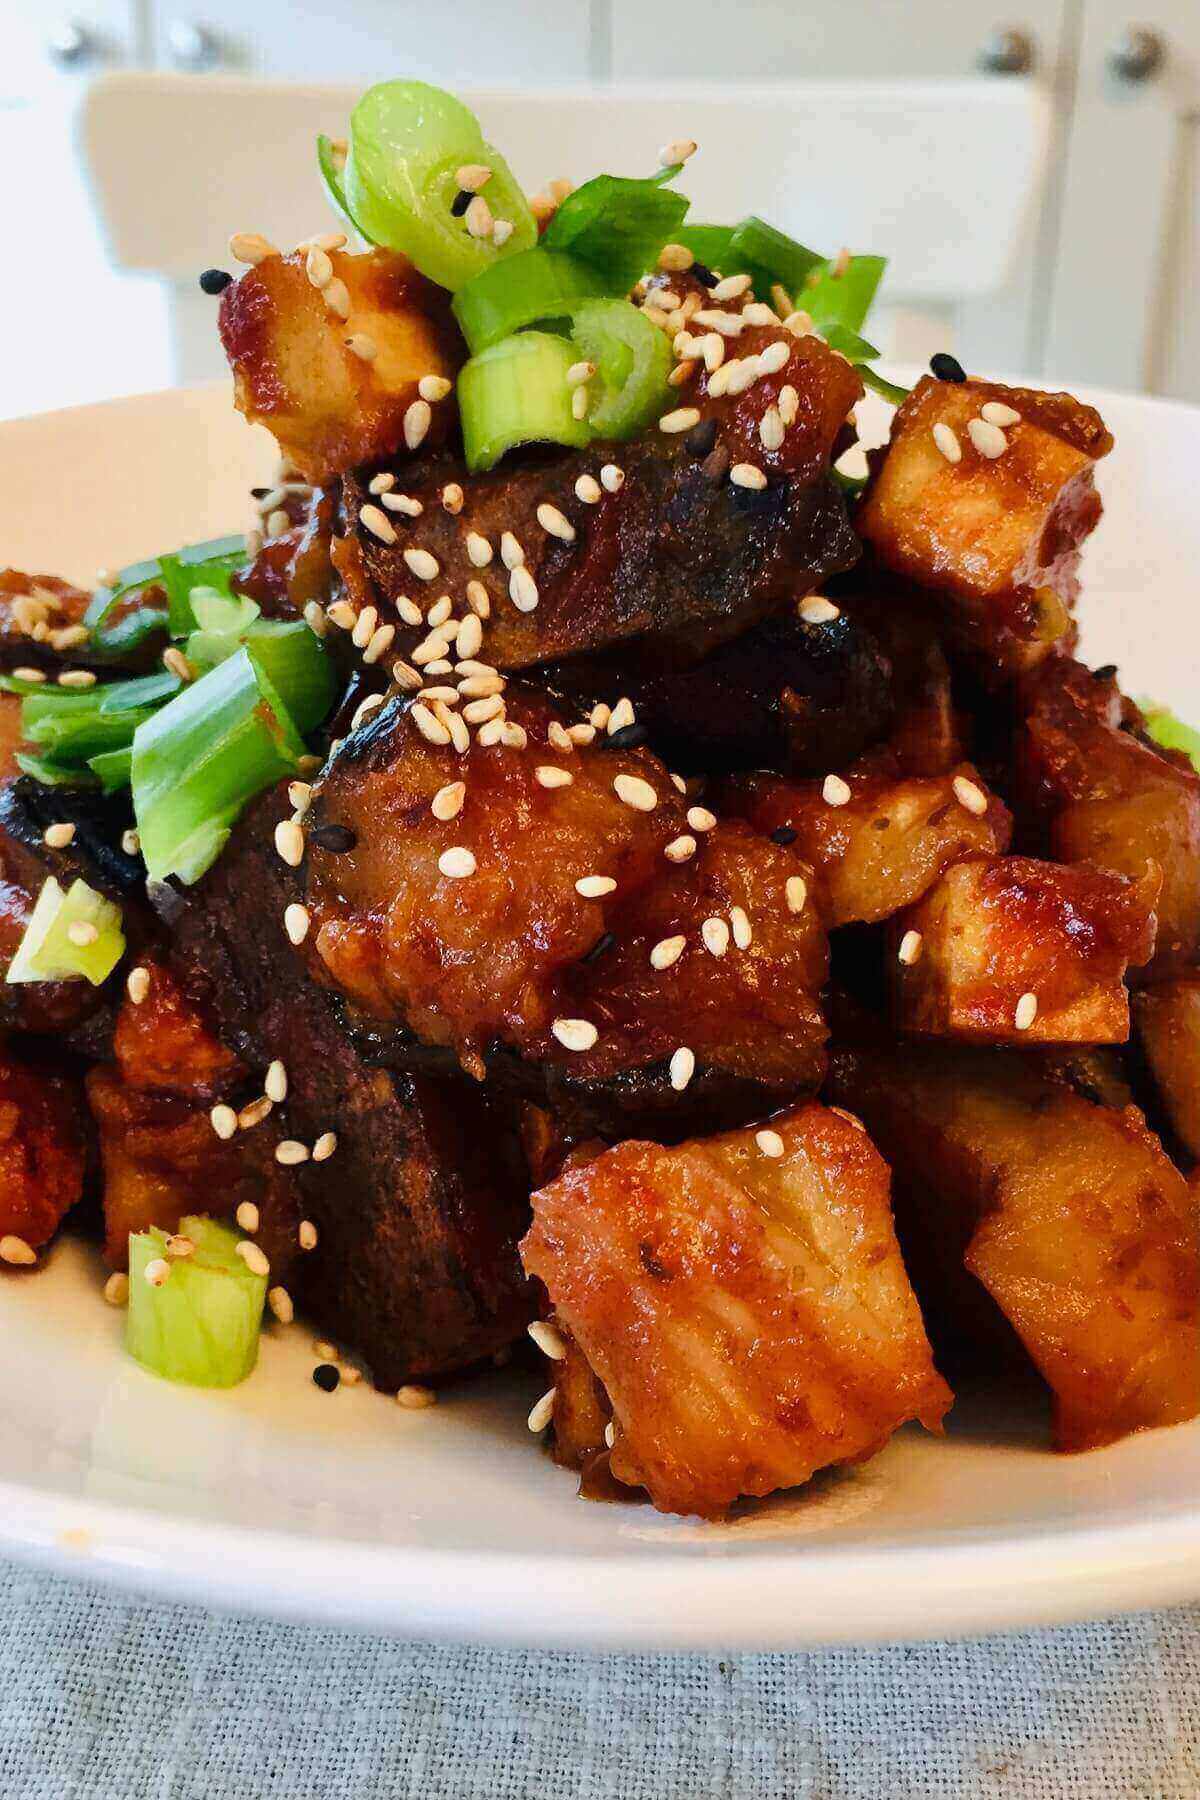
(1012, 950)
(877, 838)
(1102, 793)
(1168, 1028)
(1070, 1215)
(990, 516)
(296, 371)
(42, 1149)
(40, 616)
(743, 1302)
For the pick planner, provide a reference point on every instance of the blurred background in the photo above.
(1032, 176)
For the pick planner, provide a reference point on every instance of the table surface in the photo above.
(108, 1698)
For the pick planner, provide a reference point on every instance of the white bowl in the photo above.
(278, 1498)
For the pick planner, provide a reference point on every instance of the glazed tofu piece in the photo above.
(1012, 950)
(984, 496)
(1068, 1213)
(299, 368)
(742, 1301)
(1100, 792)
(876, 838)
(1167, 1018)
(42, 1154)
(40, 615)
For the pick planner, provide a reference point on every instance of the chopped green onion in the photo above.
(523, 290)
(148, 595)
(889, 389)
(49, 774)
(516, 392)
(617, 224)
(331, 172)
(632, 358)
(225, 737)
(407, 142)
(843, 299)
(757, 245)
(143, 690)
(225, 613)
(710, 245)
(69, 737)
(204, 568)
(200, 1321)
(1171, 732)
(113, 768)
(49, 952)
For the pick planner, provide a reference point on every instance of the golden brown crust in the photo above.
(1167, 1018)
(42, 1149)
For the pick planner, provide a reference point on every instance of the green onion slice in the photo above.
(331, 169)
(710, 245)
(48, 773)
(755, 245)
(844, 299)
(1171, 732)
(407, 142)
(633, 359)
(147, 596)
(49, 952)
(202, 1324)
(113, 768)
(516, 393)
(617, 224)
(523, 290)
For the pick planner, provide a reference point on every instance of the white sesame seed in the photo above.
(32, 675)
(381, 642)
(57, 837)
(547, 775)
(575, 1034)
(771, 429)
(612, 478)
(511, 553)
(478, 712)
(490, 733)
(727, 323)
(481, 687)
(223, 1120)
(362, 345)
(742, 929)
(251, 247)
(306, 1235)
(430, 728)
(816, 610)
(406, 677)
(296, 922)
(523, 590)
(448, 695)
(247, 1217)
(788, 404)
(502, 230)
(513, 737)
(682, 419)
(460, 736)
(116, 1289)
(290, 1152)
(581, 734)
(677, 151)
(796, 891)
(137, 984)
(434, 387)
(947, 442)
(379, 484)
(131, 842)
(587, 489)
(179, 1248)
(994, 412)
(542, 1412)
(15, 1250)
(715, 934)
(289, 843)
(594, 887)
(452, 497)
(835, 791)
(478, 218)
(968, 794)
(740, 374)
(280, 1303)
(732, 288)
(667, 951)
(417, 420)
(746, 475)
(342, 615)
(599, 715)
(325, 1146)
(422, 564)
(621, 715)
(559, 737)
(415, 1399)
(83, 678)
(403, 503)
(682, 1068)
(700, 819)
(555, 522)
(769, 1142)
(580, 372)
(579, 403)
(82, 932)
(457, 863)
(680, 849)
(1026, 1012)
(548, 1339)
(472, 176)
(758, 313)
(325, 1350)
(447, 803)
(251, 1254)
(364, 625)
(314, 618)
(336, 296)
(275, 1086)
(439, 612)
(479, 551)
(431, 650)
(989, 440)
(635, 792)
(156, 1272)
(378, 523)
(910, 948)
(318, 267)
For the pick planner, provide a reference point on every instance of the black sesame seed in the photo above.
(701, 438)
(947, 367)
(259, 493)
(460, 202)
(783, 834)
(703, 274)
(1105, 672)
(215, 281)
(326, 1377)
(598, 949)
(627, 737)
(335, 838)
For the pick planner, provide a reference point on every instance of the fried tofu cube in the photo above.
(1069, 1214)
(984, 496)
(1105, 795)
(1167, 1018)
(875, 838)
(742, 1301)
(42, 1150)
(1013, 950)
(299, 367)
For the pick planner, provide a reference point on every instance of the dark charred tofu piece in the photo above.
(876, 838)
(663, 550)
(927, 732)
(1167, 1018)
(40, 616)
(984, 496)
(1099, 792)
(291, 347)
(793, 693)
(475, 927)
(43, 1153)
(161, 1153)
(1012, 950)
(743, 1302)
(294, 567)
(416, 1190)
(1069, 1214)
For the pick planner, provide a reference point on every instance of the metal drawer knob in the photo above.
(192, 46)
(71, 45)
(1137, 55)
(1008, 52)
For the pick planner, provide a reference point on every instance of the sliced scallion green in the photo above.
(618, 224)
(844, 299)
(516, 392)
(331, 169)
(523, 290)
(201, 1321)
(113, 768)
(69, 935)
(632, 359)
(755, 245)
(1171, 732)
